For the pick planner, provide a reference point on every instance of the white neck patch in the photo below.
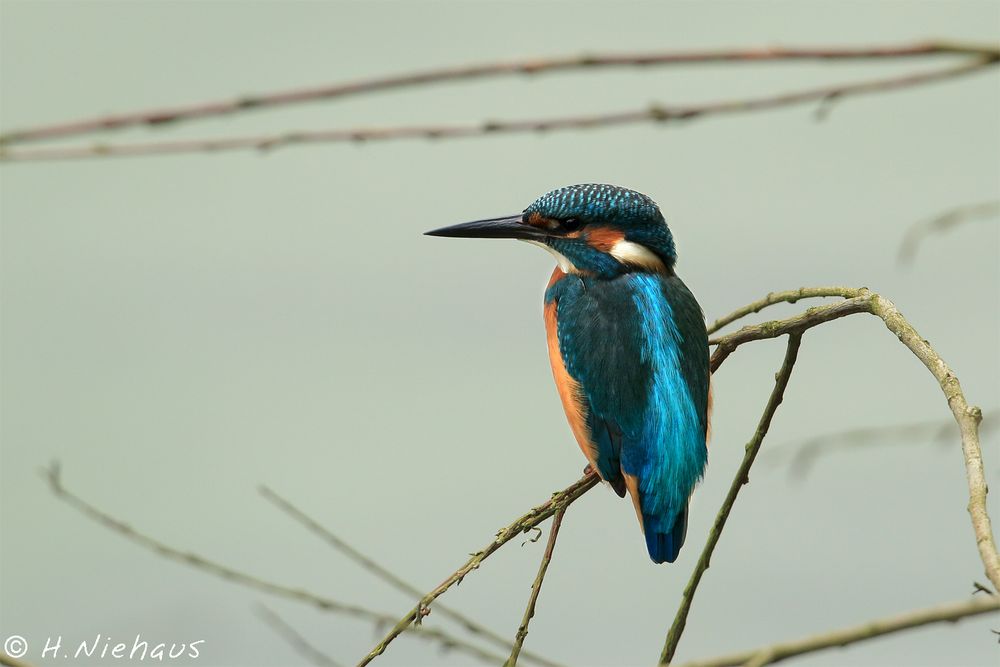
(636, 254)
(564, 263)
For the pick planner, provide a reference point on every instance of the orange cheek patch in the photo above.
(568, 388)
(604, 238)
(537, 220)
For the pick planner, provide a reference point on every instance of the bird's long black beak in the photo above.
(510, 227)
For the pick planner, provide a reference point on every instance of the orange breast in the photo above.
(568, 388)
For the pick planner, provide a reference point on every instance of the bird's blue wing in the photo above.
(637, 349)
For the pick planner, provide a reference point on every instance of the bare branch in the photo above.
(160, 117)
(536, 588)
(653, 114)
(295, 639)
(52, 475)
(769, 654)
(742, 477)
(726, 345)
(967, 417)
(942, 223)
(522, 524)
(856, 301)
(367, 563)
(788, 296)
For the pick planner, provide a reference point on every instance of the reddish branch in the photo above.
(985, 58)
(162, 116)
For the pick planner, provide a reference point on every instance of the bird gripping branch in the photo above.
(627, 344)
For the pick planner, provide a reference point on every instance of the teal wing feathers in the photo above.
(637, 349)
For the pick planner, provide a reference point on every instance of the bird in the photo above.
(627, 344)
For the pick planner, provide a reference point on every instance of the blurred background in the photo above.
(178, 330)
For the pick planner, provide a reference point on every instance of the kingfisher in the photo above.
(627, 344)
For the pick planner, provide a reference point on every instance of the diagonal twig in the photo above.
(651, 114)
(369, 564)
(770, 654)
(522, 524)
(170, 115)
(295, 638)
(536, 588)
(53, 476)
(742, 478)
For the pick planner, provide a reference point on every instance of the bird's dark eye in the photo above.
(570, 224)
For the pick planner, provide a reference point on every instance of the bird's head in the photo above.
(593, 229)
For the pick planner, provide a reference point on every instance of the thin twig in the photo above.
(520, 525)
(369, 564)
(651, 114)
(726, 345)
(52, 475)
(536, 588)
(788, 296)
(941, 614)
(942, 223)
(981, 588)
(742, 477)
(159, 117)
(295, 638)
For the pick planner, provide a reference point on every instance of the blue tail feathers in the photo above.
(663, 546)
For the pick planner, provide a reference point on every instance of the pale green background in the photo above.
(177, 330)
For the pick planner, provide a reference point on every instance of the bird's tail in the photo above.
(665, 542)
